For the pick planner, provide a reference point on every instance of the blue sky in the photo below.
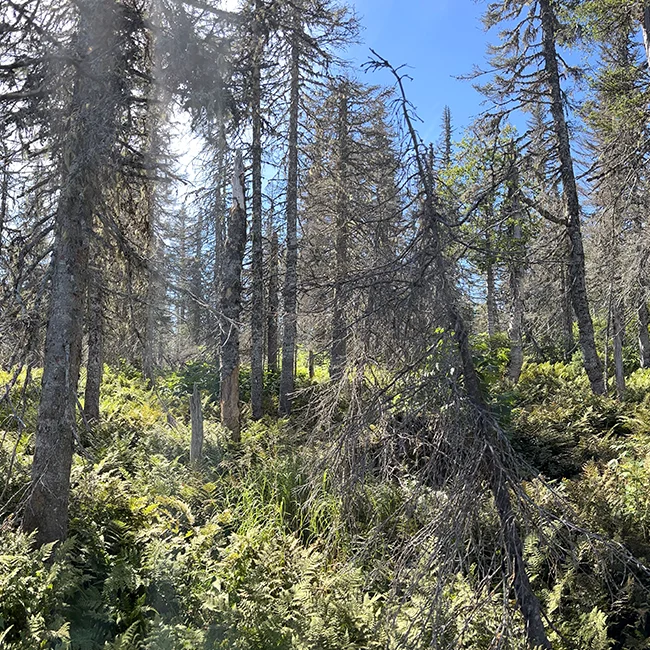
(438, 39)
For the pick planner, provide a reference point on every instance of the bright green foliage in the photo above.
(164, 556)
(250, 552)
(32, 587)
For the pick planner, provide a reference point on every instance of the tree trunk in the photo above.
(196, 331)
(567, 315)
(196, 414)
(644, 337)
(491, 299)
(257, 262)
(272, 317)
(4, 191)
(152, 294)
(618, 325)
(219, 236)
(339, 326)
(290, 292)
(231, 304)
(87, 149)
(94, 365)
(515, 331)
(577, 281)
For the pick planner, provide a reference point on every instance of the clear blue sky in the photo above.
(439, 39)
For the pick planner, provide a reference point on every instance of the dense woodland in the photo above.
(326, 385)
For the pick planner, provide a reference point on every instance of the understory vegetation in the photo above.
(258, 547)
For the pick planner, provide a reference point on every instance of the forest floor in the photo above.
(249, 550)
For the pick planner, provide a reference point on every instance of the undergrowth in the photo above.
(249, 551)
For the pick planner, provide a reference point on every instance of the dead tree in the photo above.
(231, 289)
(196, 415)
(488, 429)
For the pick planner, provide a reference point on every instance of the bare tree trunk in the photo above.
(567, 315)
(219, 237)
(4, 190)
(94, 365)
(290, 292)
(196, 331)
(577, 281)
(231, 304)
(196, 414)
(257, 262)
(491, 299)
(339, 326)
(618, 325)
(273, 304)
(644, 338)
(93, 110)
(151, 297)
(515, 331)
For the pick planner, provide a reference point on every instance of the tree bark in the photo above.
(196, 331)
(339, 326)
(290, 291)
(231, 289)
(196, 414)
(577, 281)
(87, 148)
(95, 363)
(4, 191)
(219, 235)
(257, 262)
(273, 305)
(491, 298)
(567, 315)
(618, 325)
(515, 331)
(644, 338)
(152, 294)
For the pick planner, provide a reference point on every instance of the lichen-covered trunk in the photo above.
(576, 267)
(290, 290)
(231, 289)
(87, 148)
(339, 326)
(273, 306)
(643, 319)
(95, 362)
(257, 261)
